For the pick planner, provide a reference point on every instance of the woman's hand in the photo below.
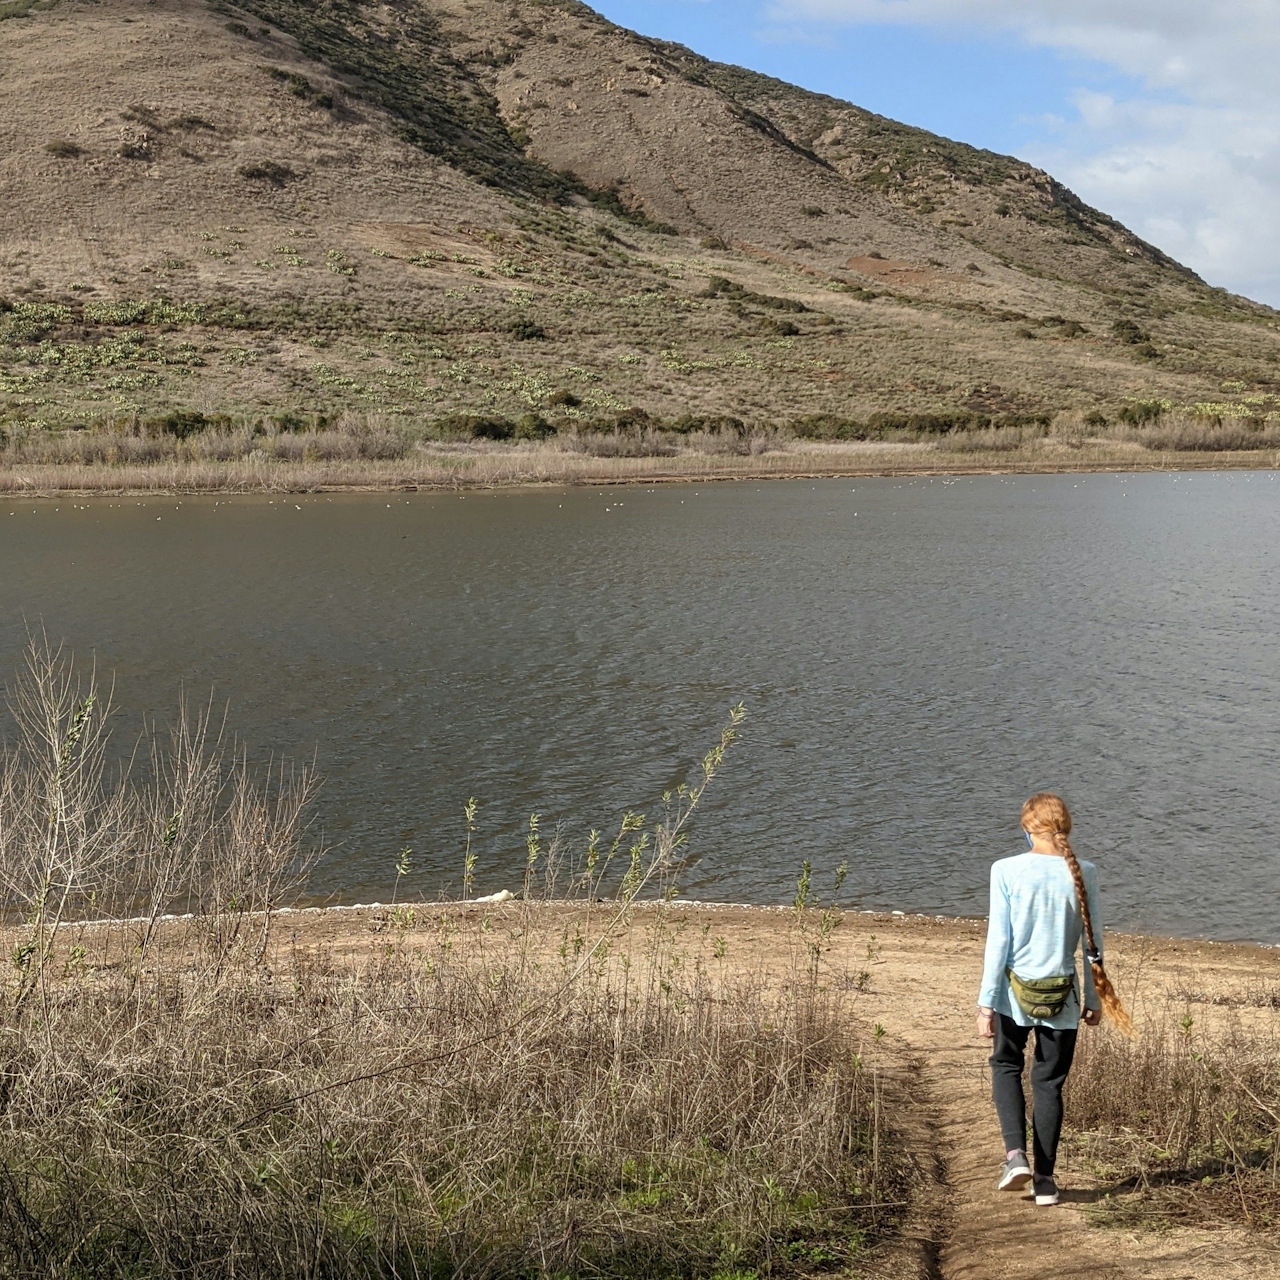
(1091, 1017)
(987, 1023)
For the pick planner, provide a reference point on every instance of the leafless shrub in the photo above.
(1189, 1119)
(186, 824)
(990, 440)
(1211, 435)
(636, 443)
(407, 1121)
(335, 446)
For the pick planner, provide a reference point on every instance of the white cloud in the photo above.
(1192, 160)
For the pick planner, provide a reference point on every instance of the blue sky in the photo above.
(1165, 113)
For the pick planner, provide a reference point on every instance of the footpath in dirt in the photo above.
(1003, 1236)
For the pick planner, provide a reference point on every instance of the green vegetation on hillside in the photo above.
(282, 275)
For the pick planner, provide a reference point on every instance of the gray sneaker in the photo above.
(1015, 1173)
(1046, 1192)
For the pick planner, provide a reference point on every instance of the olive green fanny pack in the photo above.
(1042, 998)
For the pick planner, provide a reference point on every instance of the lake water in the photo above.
(916, 656)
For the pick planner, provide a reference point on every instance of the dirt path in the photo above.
(1003, 1236)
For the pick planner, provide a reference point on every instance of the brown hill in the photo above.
(416, 209)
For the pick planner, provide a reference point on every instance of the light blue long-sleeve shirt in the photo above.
(1034, 928)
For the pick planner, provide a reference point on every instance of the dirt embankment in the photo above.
(915, 977)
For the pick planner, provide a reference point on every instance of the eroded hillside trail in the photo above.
(922, 993)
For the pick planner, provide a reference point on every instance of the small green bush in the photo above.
(63, 150)
(1141, 412)
(719, 287)
(474, 426)
(564, 398)
(829, 426)
(532, 426)
(239, 29)
(524, 330)
(295, 423)
(1128, 332)
(718, 424)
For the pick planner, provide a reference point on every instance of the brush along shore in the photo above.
(318, 463)
(548, 1088)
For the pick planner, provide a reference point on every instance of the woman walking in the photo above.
(1042, 902)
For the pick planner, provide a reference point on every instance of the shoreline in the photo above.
(541, 468)
(505, 900)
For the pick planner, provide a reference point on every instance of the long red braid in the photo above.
(1046, 815)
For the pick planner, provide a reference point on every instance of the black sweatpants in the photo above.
(1054, 1052)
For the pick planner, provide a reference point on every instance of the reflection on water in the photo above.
(917, 656)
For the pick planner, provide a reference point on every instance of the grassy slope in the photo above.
(398, 246)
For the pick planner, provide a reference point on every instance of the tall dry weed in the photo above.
(1188, 1116)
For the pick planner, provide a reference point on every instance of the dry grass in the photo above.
(298, 463)
(193, 1096)
(1185, 1120)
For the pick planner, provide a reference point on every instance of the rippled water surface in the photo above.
(917, 656)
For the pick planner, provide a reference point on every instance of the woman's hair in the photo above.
(1046, 815)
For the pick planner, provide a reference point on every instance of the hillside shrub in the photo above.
(183, 423)
(532, 426)
(928, 424)
(277, 175)
(62, 150)
(717, 424)
(719, 287)
(1141, 412)
(829, 426)
(1130, 333)
(477, 426)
